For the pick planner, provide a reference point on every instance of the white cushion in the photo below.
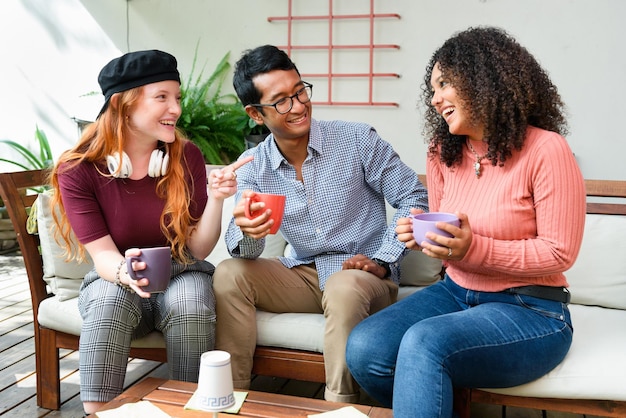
(60, 315)
(64, 278)
(595, 366)
(598, 277)
(275, 246)
(405, 291)
(63, 315)
(301, 331)
(220, 252)
(291, 330)
(418, 269)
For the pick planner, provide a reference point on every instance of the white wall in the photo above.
(51, 54)
(580, 43)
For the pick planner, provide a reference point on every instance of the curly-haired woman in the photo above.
(133, 181)
(497, 158)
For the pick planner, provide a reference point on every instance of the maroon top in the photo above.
(128, 210)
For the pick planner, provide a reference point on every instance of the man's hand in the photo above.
(257, 227)
(361, 262)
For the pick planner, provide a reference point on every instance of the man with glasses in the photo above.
(343, 257)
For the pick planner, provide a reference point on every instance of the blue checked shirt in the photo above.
(339, 209)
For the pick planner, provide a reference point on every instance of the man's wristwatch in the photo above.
(383, 264)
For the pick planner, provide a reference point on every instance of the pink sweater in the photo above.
(527, 217)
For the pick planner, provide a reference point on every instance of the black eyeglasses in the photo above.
(285, 104)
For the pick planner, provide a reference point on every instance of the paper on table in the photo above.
(139, 409)
(345, 412)
(239, 398)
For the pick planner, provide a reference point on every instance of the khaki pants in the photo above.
(241, 286)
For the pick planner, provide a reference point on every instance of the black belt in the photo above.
(558, 294)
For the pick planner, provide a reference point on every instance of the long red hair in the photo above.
(104, 137)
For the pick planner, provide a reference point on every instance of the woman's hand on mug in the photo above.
(404, 230)
(125, 275)
(453, 248)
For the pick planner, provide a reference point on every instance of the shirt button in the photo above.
(317, 231)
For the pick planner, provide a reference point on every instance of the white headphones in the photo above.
(156, 168)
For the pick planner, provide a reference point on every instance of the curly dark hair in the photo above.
(501, 86)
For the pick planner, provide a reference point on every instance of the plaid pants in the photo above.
(112, 317)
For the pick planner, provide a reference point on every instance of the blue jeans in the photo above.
(410, 355)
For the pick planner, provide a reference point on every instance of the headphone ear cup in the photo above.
(113, 162)
(154, 167)
(158, 163)
(165, 164)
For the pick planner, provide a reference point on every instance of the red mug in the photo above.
(275, 202)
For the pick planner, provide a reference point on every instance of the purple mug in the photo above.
(158, 268)
(425, 222)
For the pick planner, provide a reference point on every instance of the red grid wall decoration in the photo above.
(349, 73)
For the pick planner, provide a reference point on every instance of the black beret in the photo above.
(136, 69)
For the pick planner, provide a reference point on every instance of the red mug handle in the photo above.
(249, 201)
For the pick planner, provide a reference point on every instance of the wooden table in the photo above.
(171, 397)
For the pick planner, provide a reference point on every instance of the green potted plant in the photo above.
(214, 121)
(256, 134)
(30, 161)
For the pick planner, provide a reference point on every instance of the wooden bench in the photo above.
(309, 366)
(268, 361)
(616, 205)
(14, 192)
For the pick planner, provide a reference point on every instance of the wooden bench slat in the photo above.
(268, 361)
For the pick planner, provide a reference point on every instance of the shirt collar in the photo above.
(316, 143)
(316, 139)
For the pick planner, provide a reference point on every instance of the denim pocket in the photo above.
(545, 307)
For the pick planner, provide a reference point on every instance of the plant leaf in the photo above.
(31, 159)
(45, 152)
(216, 122)
(22, 166)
